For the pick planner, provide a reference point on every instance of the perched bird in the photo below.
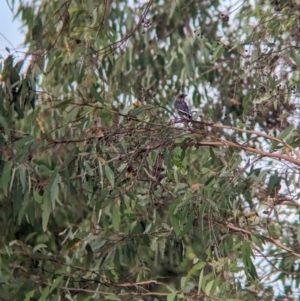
(181, 106)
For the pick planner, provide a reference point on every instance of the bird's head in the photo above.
(182, 95)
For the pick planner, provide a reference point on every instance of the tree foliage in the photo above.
(107, 194)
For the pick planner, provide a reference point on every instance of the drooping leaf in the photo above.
(5, 176)
(46, 209)
(110, 175)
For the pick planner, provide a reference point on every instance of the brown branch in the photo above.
(259, 134)
(221, 142)
(271, 240)
(128, 35)
(260, 152)
(112, 294)
(146, 282)
(276, 270)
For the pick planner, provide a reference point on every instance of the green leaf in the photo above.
(43, 170)
(3, 122)
(246, 253)
(168, 159)
(114, 298)
(22, 171)
(110, 175)
(89, 171)
(139, 110)
(25, 208)
(29, 236)
(188, 225)
(12, 178)
(252, 270)
(46, 208)
(247, 100)
(286, 133)
(45, 294)
(209, 286)
(37, 197)
(29, 295)
(195, 268)
(39, 247)
(100, 173)
(53, 185)
(257, 242)
(175, 221)
(174, 206)
(171, 296)
(56, 282)
(37, 30)
(63, 105)
(201, 281)
(274, 184)
(218, 51)
(96, 95)
(205, 170)
(5, 178)
(186, 286)
(116, 218)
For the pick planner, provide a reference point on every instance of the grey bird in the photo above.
(181, 106)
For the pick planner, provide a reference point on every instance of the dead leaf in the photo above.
(137, 104)
(235, 101)
(195, 187)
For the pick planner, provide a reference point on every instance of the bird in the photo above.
(181, 106)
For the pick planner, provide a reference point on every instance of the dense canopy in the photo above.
(107, 193)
